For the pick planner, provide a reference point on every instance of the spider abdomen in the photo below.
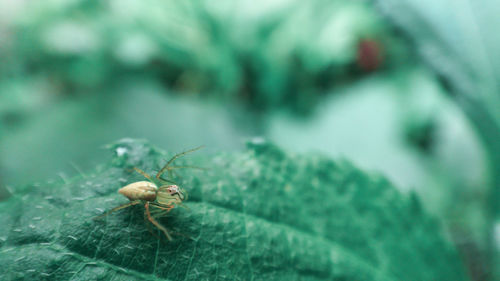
(141, 190)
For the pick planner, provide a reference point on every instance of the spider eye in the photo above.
(173, 189)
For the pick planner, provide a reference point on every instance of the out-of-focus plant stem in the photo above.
(488, 130)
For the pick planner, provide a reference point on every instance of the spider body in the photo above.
(164, 196)
(157, 200)
(141, 190)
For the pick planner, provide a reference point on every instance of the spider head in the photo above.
(176, 190)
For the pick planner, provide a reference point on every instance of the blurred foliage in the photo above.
(460, 46)
(249, 217)
(231, 50)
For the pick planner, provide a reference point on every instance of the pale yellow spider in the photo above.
(163, 198)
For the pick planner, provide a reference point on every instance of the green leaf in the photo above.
(261, 214)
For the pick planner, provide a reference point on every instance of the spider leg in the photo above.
(184, 206)
(126, 205)
(156, 223)
(166, 167)
(170, 207)
(143, 173)
(167, 180)
(149, 227)
(172, 174)
(163, 207)
(190, 167)
(186, 194)
(185, 235)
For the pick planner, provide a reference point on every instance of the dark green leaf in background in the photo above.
(261, 214)
(458, 41)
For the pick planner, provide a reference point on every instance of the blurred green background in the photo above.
(408, 89)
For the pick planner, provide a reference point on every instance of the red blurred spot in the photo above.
(369, 55)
